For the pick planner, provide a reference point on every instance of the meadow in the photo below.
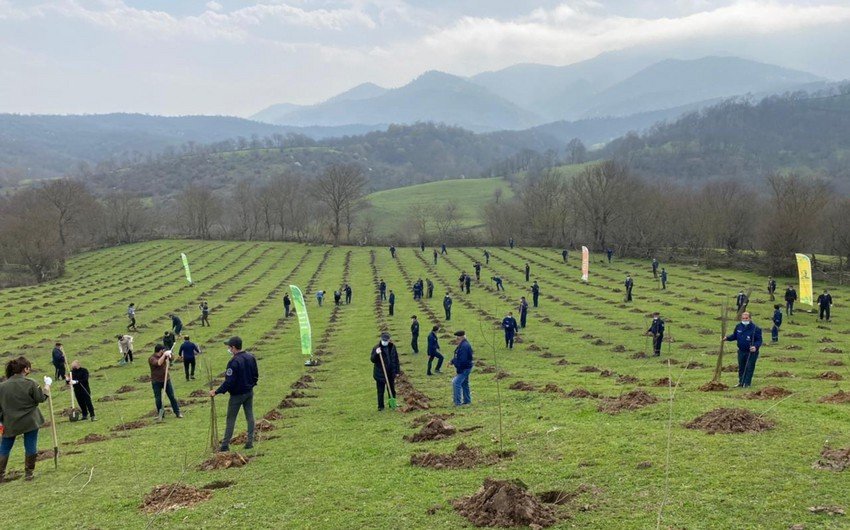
(328, 459)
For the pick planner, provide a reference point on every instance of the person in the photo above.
(790, 298)
(240, 378)
(58, 360)
(741, 301)
(467, 281)
(430, 285)
(655, 268)
(447, 305)
(422, 246)
(535, 292)
(125, 347)
(188, 351)
(320, 297)
(771, 288)
(748, 337)
(461, 280)
(510, 326)
(385, 368)
(663, 278)
(417, 289)
(176, 324)
(347, 294)
(382, 289)
(477, 271)
(463, 362)
(160, 381)
(337, 297)
(511, 242)
(564, 255)
(527, 271)
(523, 311)
(19, 414)
(392, 250)
(609, 252)
(168, 340)
(656, 329)
(414, 334)
(498, 280)
(825, 303)
(777, 323)
(79, 380)
(205, 313)
(131, 315)
(629, 283)
(392, 302)
(434, 351)
(487, 257)
(443, 249)
(435, 256)
(287, 304)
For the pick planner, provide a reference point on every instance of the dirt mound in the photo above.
(169, 497)
(219, 484)
(769, 392)
(633, 400)
(436, 429)
(793, 347)
(303, 382)
(106, 399)
(425, 418)
(688, 346)
(828, 510)
(832, 350)
(552, 388)
(825, 340)
(728, 421)
(835, 362)
(829, 376)
(199, 393)
(522, 385)
(534, 347)
(92, 438)
(581, 393)
(297, 394)
(693, 365)
(505, 503)
(796, 335)
(833, 459)
(778, 373)
(463, 457)
(587, 336)
(640, 355)
(839, 397)
(124, 389)
(599, 342)
(287, 403)
(589, 369)
(144, 379)
(664, 381)
(273, 415)
(607, 373)
(264, 426)
(547, 355)
(242, 437)
(223, 461)
(786, 359)
(619, 348)
(138, 424)
(627, 380)
(502, 374)
(733, 368)
(488, 370)
(713, 386)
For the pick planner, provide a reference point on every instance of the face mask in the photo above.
(385, 343)
(745, 322)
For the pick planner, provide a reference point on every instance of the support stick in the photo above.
(53, 429)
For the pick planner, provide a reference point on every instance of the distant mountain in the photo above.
(361, 91)
(274, 112)
(433, 96)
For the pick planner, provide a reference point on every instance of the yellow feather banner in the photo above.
(804, 269)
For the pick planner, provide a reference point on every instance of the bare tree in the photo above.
(126, 218)
(602, 195)
(728, 207)
(339, 188)
(28, 234)
(198, 210)
(447, 219)
(72, 206)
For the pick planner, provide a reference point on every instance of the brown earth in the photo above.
(507, 504)
(832, 350)
(839, 397)
(219, 484)
(273, 415)
(562, 362)
(713, 386)
(552, 388)
(786, 359)
(264, 426)
(92, 438)
(769, 392)
(835, 362)
(223, 461)
(463, 457)
(287, 403)
(425, 418)
(199, 393)
(780, 374)
(144, 379)
(436, 429)
(169, 497)
(833, 459)
(124, 389)
(106, 399)
(607, 373)
(636, 399)
(627, 379)
(830, 376)
(588, 369)
(733, 368)
(728, 421)
(138, 424)
(581, 393)
(522, 385)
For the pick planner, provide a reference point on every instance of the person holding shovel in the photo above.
(385, 368)
(79, 380)
(656, 329)
(160, 380)
(748, 337)
(19, 414)
(240, 379)
(462, 361)
(125, 347)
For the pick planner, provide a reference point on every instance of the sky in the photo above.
(235, 57)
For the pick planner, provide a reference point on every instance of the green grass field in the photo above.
(337, 463)
(391, 208)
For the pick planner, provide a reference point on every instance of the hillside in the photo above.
(391, 208)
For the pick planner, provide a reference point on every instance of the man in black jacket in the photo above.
(240, 378)
(447, 305)
(79, 379)
(385, 367)
(825, 303)
(656, 329)
(434, 350)
(58, 360)
(414, 334)
(790, 298)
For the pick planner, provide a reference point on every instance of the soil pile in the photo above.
(303, 382)
(264, 426)
(435, 429)
(833, 459)
(425, 418)
(627, 379)
(832, 350)
(780, 374)
(769, 392)
(733, 368)
(522, 385)
(144, 379)
(728, 421)
(199, 393)
(223, 461)
(664, 381)
(835, 362)
(168, 497)
(588, 369)
(124, 389)
(839, 397)
(138, 424)
(828, 510)
(581, 393)
(506, 504)
(633, 400)
(830, 376)
(463, 457)
(92, 438)
(713, 386)
(287, 403)
(273, 415)
(106, 399)
(552, 388)
(413, 399)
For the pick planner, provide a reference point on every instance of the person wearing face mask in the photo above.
(510, 326)
(749, 340)
(629, 283)
(656, 329)
(385, 368)
(240, 379)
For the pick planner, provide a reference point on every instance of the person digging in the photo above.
(385, 368)
(160, 381)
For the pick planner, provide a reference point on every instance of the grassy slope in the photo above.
(390, 207)
(337, 463)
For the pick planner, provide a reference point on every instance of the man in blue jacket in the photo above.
(382, 288)
(748, 337)
(385, 368)
(58, 360)
(392, 302)
(414, 334)
(434, 350)
(523, 312)
(825, 303)
(462, 361)
(240, 379)
(447, 305)
(188, 351)
(656, 329)
(510, 326)
(777, 322)
(535, 292)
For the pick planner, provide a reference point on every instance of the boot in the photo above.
(3, 461)
(29, 466)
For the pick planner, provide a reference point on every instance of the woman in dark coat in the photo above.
(19, 414)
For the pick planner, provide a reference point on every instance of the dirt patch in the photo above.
(223, 461)
(589, 369)
(581, 393)
(463, 457)
(92, 438)
(599, 342)
(835, 362)
(640, 355)
(796, 335)
(693, 365)
(786, 359)
(829, 376)
(144, 379)
(552, 388)
(124, 389)
(793, 347)
(106, 399)
(435, 429)
(833, 459)
(619, 348)
(839, 397)
(562, 362)
(273, 415)
(199, 393)
(688, 346)
(425, 418)
(138, 424)
(713, 386)
(633, 400)
(729, 421)
(730, 368)
(828, 510)
(825, 340)
(607, 373)
(832, 350)
(169, 497)
(488, 370)
(502, 374)
(264, 426)
(534, 347)
(644, 465)
(780, 374)
(547, 355)
(769, 392)
(219, 484)
(627, 380)
(507, 504)
(303, 382)
(664, 381)
(522, 385)
(287, 403)
(297, 394)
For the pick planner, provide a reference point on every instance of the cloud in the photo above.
(214, 6)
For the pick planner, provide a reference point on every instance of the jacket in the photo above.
(414, 328)
(433, 344)
(746, 336)
(19, 400)
(447, 302)
(81, 387)
(188, 350)
(58, 358)
(462, 359)
(790, 295)
(509, 325)
(825, 300)
(125, 344)
(657, 327)
(777, 318)
(241, 375)
(390, 356)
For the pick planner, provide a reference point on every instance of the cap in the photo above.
(385, 336)
(236, 342)
(460, 333)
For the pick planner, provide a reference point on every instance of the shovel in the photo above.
(47, 382)
(392, 402)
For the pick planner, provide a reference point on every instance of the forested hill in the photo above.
(806, 134)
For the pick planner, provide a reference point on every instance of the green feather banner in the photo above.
(303, 320)
(186, 268)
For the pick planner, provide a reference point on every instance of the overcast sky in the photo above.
(238, 56)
